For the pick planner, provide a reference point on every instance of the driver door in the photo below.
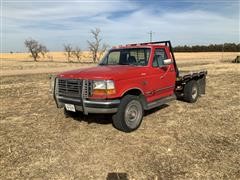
(162, 76)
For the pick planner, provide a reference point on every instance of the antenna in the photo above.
(151, 35)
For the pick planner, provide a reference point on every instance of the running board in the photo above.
(160, 102)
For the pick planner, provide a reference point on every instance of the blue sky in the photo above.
(58, 22)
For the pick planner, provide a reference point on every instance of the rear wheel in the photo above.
(191, 91)
(129, 115)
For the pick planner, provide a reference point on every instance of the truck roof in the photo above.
(139, 45)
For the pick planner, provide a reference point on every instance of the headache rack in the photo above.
(165, 43)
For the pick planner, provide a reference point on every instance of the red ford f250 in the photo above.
(128, 81)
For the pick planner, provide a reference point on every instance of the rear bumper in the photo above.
(89, 106)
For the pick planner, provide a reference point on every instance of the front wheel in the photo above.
(129, 115)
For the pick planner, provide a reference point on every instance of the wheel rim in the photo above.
(133, 114)
(194, 92)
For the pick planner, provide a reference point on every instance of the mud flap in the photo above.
(202, 85)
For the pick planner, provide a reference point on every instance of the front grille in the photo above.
(70, 87)
(74, 88)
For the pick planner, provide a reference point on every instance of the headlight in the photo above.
(110, 84)
(103, 87)
(99, 85)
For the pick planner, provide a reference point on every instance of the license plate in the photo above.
(70, 107)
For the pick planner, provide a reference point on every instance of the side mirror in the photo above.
(167, 61)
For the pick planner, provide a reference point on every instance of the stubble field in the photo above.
(175, 141)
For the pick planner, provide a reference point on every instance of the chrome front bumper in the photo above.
(89, 106)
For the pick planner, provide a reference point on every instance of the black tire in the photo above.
(130, 114)
(69, 114)
(191, 91)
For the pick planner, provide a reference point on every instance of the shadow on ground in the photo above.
(105, 118)
(152, 111)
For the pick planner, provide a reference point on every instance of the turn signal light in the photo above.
(102, 92)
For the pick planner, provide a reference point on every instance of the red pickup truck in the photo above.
(129, 80)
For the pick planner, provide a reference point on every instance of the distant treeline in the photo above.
(226, 47)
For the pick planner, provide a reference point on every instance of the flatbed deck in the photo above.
(186, 75)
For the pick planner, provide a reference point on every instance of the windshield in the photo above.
(136, 56)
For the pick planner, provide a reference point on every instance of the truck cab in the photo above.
(129, 80)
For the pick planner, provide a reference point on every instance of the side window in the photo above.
(159, 56)
(138, 57)
(155, 63)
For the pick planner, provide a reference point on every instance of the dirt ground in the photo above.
(175, 141)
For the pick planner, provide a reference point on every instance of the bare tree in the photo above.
(95, 46)
(68, 49)
(77, 53)
(35, 48)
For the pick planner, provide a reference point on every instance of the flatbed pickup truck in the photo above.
(129, 80)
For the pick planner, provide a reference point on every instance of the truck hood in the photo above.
(115, 72)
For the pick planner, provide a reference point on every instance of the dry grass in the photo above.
(50, 56)
(176, 141)
(22, 63)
